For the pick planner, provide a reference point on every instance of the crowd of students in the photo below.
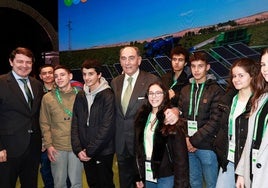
(181, 130)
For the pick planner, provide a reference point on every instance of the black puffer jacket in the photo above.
(98, 137)
(241, 129)
(208, 112)
(169, 156)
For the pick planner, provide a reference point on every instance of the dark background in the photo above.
(20, 29)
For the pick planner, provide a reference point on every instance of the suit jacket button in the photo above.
(30, 131)
(258, 165)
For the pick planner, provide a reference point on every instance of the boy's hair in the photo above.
(62, 67)
(45, 66)
(180, 50)
(199, 56)
(92, 63)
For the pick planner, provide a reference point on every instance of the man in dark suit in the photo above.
(20, 137)
(130, 60)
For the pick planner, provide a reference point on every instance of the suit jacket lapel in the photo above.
(119, 88)
(138, 90)
(15, 88)
(35, 91)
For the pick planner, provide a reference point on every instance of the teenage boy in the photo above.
(198, 103)
(93, 126)
(177, 78)
(46, 74)
(55, 121)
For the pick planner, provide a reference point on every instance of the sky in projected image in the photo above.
(99, 23)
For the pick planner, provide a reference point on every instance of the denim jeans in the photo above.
(203, 166)
(166, 182)
(227, 178)
(67, 163)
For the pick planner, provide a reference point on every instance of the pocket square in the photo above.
(140, 98)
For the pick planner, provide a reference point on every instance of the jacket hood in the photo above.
(103, 85)
(210, 77)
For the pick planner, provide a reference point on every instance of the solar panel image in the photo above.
(219, 69)
(145, 65)
(245, 51)
(118, 68)
(225, 54)
(163, 62)
(106, 73)
(216, 67)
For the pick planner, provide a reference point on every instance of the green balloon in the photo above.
(68, 2)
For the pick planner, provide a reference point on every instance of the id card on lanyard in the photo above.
(149, 172)
(231, 152)
(192, 125)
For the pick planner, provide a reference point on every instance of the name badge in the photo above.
(192, 127)
(231, 152)
(255, 153)
(149, 172)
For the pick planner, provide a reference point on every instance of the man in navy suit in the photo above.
(130, 60)
(20, 137)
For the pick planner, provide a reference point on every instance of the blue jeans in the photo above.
(227, 178)
(166, 182)
(45, 171)
(203, 166)
(67, 163)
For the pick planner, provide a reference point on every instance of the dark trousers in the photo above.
(126, 167)
(99, 172)
(45, 171)
(25, 167)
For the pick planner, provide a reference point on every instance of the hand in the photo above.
(82, 155)
(240, 182)
(51, 153)
(3, 156)
(171, 93)
(190, 147)
(139, 184)
(171, 116)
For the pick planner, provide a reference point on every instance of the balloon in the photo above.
(68, 2)
(76, 1)
(83, 1)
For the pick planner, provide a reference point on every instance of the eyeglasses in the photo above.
(157, 94)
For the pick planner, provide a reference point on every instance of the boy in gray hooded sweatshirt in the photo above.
(93, 128)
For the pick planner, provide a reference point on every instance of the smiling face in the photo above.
(240, 78)
(21, 65)
(46, 74)
(91, 78)
(155, 96)
(130, 60)
(264, 66)
(62, 79)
